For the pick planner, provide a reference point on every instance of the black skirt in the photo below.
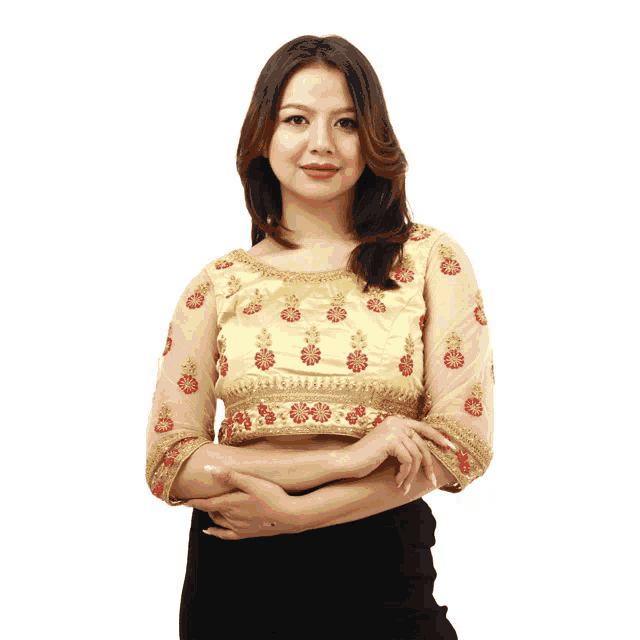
(370, 578)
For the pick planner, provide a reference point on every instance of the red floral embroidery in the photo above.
(265, 359)
(167, 346)
(290, 314)
(376, 305)
(480, 316)
(252, 308)
(473, 406)
(157, 490)
(406, 365)
(336, 314)
(299, 412)
(195, 301)
(223, 264)
(423, 236)
(463, 457)
(188, 384)
(357, 361)
(310, 355)
(421, 324)
(163, 425)
(403, 275)
(453, 359)
(450, 267)
(170, 456)
(320, 412)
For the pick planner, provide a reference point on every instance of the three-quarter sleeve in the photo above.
(184, 403)
(458, 364)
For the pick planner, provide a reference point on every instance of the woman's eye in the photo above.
(353, 123)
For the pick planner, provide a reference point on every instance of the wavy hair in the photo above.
(379, 215)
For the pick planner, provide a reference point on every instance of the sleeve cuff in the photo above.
(165, 460)
(473, 455)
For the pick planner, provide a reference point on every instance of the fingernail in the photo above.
(433, 479)
(407, 489)
(207, 532)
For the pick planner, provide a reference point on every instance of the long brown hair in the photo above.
(380, 217)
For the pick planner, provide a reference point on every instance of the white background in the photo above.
(119, 127)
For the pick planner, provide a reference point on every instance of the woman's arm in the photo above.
(296, 471)
(349, 500)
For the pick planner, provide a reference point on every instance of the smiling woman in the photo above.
(345, 316)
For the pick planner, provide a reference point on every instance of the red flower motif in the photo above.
(169, 457)
(265, 359)
(164, 425)
(262, 409)
(310, 355)
(290, 314)
(188, 384)
(480, 316)
(376, 305)
(224, 366)
(450, 267)
(453, 359)
(224, 265)
(320, 412)
(167, 346)
(422, 317)
(406, 365)
(270, 417)
(299, 412)
(336, 314)
(464, 465)
(351, 418)
(357, 361)
(473, 406)
(195, 301)
(157, 490)
(360, 410)
(252, 308)
(404, 275)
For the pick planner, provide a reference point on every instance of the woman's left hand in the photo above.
(246, 514)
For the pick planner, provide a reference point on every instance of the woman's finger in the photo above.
(417, 454)
(406, 459)
(429, 469)
(433, 434)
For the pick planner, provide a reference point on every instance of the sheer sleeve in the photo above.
(458, 364)
(184, 404)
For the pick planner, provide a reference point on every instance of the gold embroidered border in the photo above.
(156, 471)
(480, 454)
(285, 274)
(382, 396)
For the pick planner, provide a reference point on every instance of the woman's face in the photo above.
(325, 132)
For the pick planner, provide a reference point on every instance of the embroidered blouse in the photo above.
(292, 352)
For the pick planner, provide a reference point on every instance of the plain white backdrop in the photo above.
(118, 131)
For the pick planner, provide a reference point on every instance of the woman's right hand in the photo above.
(393, 437)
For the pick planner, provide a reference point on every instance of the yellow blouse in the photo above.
(305, 353)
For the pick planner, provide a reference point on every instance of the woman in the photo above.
(322, 380)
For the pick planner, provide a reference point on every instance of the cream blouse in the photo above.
(294, 353)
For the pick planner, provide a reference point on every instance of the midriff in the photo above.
(310, 442)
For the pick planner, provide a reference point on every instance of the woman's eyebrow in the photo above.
(305, 108)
